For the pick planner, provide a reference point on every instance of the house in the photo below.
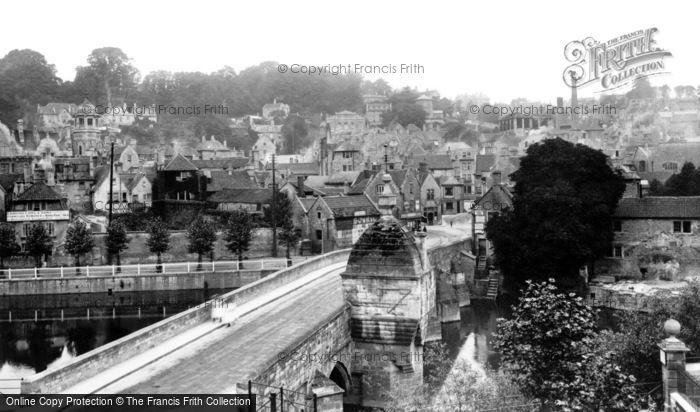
(346, 158)
(453, 195)
(430, 196)
(290, 171)
(655, 238)
(275, 109)
(250, 200)
(39, 204)
(263, 148)
(664, 160)
(73, 179)
(495, 200)
(177, 187)
(7, 190)
(140, 190)
(101, 190)
(336, 222)
(212, 149)
(127, 157)
(437, 164)
(56, 114)
(229, 179)
(346, 122)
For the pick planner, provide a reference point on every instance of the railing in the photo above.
(145, 269)
(280, 399)
(56, 315)
(689, 386)
(10, 386)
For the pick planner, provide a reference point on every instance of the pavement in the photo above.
(446, 233)
(213, 358)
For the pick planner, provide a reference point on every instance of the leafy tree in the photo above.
(158, 239)
(680, 91)
(685, 183)
(551, 346)
(8, 243)
(656, 188)
(116, 241)
(238, 233)
(109, 72)
(404, 109)
(642, 89)
(39, 243)
(561, 218)
(289, 236)
(201, 235)
(79, 241)
(283, 209)
(26, 79)
(295, 133)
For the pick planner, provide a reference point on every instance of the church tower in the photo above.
(86, 140)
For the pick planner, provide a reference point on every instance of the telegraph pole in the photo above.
(273, 210)
(386, 160)
(111, 182)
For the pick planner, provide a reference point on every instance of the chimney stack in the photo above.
(496, 176)
(422, 167)
(300, 186)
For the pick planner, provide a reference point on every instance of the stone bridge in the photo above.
(344, 326)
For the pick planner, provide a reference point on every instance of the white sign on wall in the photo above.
(38, 215)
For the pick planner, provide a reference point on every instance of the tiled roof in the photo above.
(340, 178)
(348, 206)
(296, 168)
(7, 181)
(221, 163)
(435, 161)
(346, 147)
(179, 163)
(496, 195)
(56, 108)
(39, 191)
(359, 187)
(659, 207)
(484, 163)
(398, 176)
(306, 202)
(242, 196)
(238, 179)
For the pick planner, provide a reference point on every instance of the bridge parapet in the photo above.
(106, 356)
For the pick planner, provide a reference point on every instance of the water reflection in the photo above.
(40, 332)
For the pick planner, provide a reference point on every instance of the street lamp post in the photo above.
(273, 209)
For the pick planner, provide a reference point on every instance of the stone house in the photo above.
(250, 200)
(655, 238)
(430, 196)
(39, 204)
(336, 222)
(495, 200)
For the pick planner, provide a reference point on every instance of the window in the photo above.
(347, 155)
(670, 166)
(617, 226)
(410, 188)
(25, 228)
(318, 215)
(319, 234)
(448, 191)
(448, 206)
(379, 189)
(430, 194)
(642, 166)
(89, 121)
(682, 226)
(617, 251)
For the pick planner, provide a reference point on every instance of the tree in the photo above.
(551, 346)
(116, 241)
(561, 218)
(8, 243)
(289, 236)
(680, 91)
(110, 71)
(79, 241)
(201, 235)
(26, 79)
(283, 209)
(158, 240)
(642, 89)
(39, 243)
(685, 183)
(238, 233)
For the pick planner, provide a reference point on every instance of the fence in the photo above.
(149, 269)
(278, 399)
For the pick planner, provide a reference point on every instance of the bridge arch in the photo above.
(341, 377)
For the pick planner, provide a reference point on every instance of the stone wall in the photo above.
(130, 283)
(651, 250)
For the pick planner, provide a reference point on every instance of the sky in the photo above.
(503, 49)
